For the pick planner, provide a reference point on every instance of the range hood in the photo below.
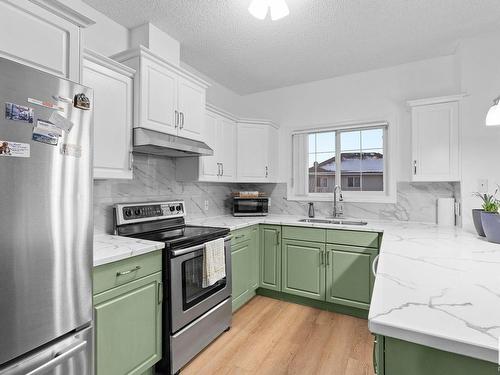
(155, 143)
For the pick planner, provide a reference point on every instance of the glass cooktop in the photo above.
(185, 236)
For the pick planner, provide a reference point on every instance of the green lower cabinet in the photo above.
(245, 265)
(240, 259)
(254, 257)
(349, 278)
(270, 257)
(303, 271)
(402, 357)
(128, 322)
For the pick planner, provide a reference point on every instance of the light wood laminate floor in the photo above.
(269, 336)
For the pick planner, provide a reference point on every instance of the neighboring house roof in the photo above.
(372, 162)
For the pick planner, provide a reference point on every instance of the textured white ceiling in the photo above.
(320, 39)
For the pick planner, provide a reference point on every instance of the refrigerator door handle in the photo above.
(60, 358)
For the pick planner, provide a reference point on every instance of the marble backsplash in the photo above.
(154, 179)
(415, 202)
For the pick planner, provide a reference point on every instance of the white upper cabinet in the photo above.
(435, 139)
(157, 104)
(168, 99)
(257, 146)
(39, 36)
(220, 135)
(191, 104)
(113, 113)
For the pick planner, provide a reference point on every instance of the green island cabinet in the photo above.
(329, 265)
(245, 265)
(128, 297)
(397, 357)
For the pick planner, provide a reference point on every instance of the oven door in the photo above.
(189, 299)
(250, 206)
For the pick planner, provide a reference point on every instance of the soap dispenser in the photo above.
(311, 209)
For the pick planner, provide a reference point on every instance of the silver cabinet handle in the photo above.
(222, 165)
(182, 119)
(267, 171)
(176, 118)
(122, 273)
(240, 236)
(374, 265)
(219, 169)
(56, 361)
(321, 259)
(160, 293)
(414, 167)
(327, 258)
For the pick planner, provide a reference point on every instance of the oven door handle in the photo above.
(192, 249)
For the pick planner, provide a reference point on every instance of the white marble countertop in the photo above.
(108, 248)
(435, 286)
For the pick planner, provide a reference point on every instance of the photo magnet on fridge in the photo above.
(45, 136)
(60, 121)
(14, 149)
(18, 112)
(49, 127)
(81, 101)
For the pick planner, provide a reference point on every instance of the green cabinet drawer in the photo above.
(349, 277)
(270, 257)
(352, 238)
(128, 322)
(118, 273)
(304, 234)
(303, 270)
(241, 235)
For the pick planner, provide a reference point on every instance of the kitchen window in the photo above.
(355, 158)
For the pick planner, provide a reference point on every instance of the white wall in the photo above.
(479, 59)
(373, 95)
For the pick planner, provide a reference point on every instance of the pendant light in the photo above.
(493, 116)
(260, 8)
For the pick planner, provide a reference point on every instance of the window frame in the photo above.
(388, 195)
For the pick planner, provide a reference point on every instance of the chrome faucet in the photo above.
(336, 211)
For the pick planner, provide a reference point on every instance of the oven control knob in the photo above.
(178, 208)
(128, 212)
(137, 212)
(172, 208)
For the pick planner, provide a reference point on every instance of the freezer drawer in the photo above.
(71, 355)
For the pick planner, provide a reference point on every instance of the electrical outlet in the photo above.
(206, 204)
(482, 185)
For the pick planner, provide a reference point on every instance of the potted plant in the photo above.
(490, 218)
(490, 202)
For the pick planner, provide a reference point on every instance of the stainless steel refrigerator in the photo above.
(45, 223)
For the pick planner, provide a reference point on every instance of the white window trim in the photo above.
(390, 147)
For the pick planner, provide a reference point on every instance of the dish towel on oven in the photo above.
(214, 262)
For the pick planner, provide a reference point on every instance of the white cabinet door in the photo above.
(113, 90)
(253, 152)
(158, 97)
(273, 144)
(227, 149)
(191, 106)
(435, 142)
(209, 165)
(33, 36)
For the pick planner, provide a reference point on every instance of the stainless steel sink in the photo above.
(334, 221)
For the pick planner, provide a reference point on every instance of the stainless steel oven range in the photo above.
(193, 316)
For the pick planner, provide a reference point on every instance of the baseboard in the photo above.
(322, 305)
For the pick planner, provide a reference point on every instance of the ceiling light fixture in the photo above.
(493, 116)
(260, 8)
